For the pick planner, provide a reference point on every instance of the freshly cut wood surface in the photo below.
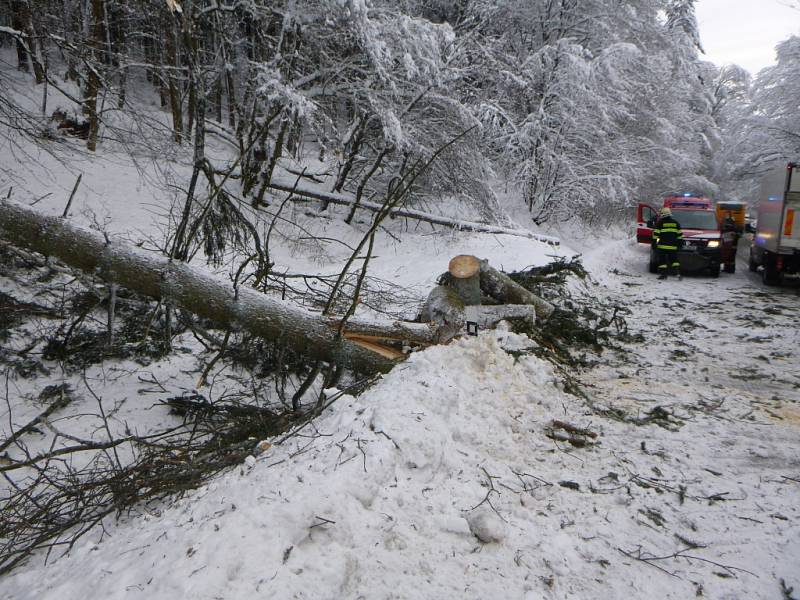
(464, 266)
(465, 272)
(376, 345)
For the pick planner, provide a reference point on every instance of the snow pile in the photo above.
(383, 493)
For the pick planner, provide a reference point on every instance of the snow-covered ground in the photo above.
(440, 481)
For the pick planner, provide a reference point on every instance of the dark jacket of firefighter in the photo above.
(667, 234)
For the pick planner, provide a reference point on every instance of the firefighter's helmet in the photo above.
(665, 212)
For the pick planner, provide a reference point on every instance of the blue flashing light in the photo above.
(687, 195)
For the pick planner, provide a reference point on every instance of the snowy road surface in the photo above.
(721, 356)
(440, 482)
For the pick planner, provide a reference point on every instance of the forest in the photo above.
(584, 106)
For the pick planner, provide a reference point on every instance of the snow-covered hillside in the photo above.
(440, 481)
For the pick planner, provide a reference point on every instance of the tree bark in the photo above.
(30, 50)
(345, 200)
(228, 55)
(363, 183)
(277, 151)
(353, 144)
(93, 78)
(465, 272)
(201, 293)
(487, 317)
(445, 310)
(504, 289)
(18, 9)
(175, 104)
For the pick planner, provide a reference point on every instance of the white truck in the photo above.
(775, 249)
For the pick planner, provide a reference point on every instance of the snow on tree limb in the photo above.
(346, 200)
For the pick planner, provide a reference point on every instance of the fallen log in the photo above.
(300, 193)
(412, 333)
(487, 317)
(505, 290)
(202, 293)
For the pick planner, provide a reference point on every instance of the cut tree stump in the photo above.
(465, 271)
(458, 300)
(445, 310)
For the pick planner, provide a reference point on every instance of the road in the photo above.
(711, 390)
(709, 331)
(742, 262)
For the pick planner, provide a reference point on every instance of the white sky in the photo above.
(745, 32)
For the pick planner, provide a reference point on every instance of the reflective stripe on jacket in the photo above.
(667, 234)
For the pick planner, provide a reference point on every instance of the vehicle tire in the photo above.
(751, 263)
(730, 267)
(714, 271)
(769, 274)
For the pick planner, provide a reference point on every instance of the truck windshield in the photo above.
(695, 219)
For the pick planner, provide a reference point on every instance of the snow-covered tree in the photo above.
(758, 121)
(585, 106)
(681, 16)
(589, 106)
(776, 91)
(732, 111)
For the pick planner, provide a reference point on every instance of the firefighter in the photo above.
(667, 237)
(729, 224)
(729, 227)
(730, 241)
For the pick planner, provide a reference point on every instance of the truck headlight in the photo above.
(713, 243)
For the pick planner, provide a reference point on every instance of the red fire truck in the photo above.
(703, 248)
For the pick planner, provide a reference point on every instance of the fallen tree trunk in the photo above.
(344, 200)
(504, 289)
(201, 293)
(487, 317)
(407, 331)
